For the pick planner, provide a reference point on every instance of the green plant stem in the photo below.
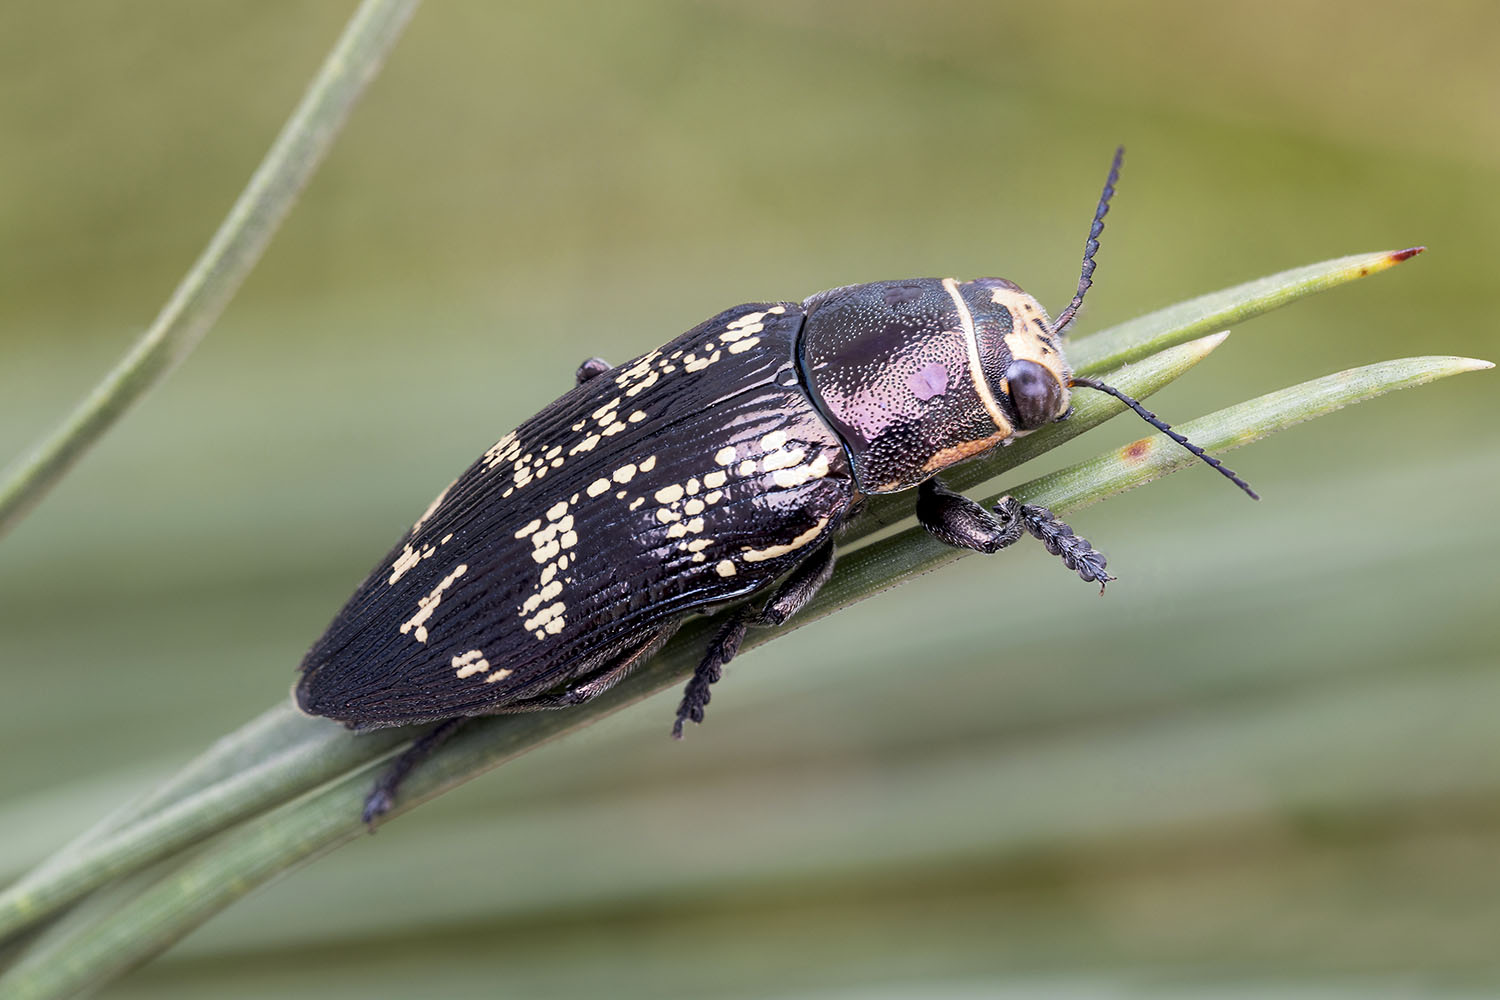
(281, 754)
(1136, 338)
(201, 297)
(243, 858)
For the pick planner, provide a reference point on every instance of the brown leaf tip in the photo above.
(1406, 254)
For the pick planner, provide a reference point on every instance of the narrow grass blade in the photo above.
(1136, 338)
(227, 868)
(281, 754)
(201, 297)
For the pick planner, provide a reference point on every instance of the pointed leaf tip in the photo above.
(1407, 254)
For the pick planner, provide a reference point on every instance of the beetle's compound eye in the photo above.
(1035, 393)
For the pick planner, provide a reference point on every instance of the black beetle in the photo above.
(691, 478)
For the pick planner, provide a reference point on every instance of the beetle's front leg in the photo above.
(962, 523)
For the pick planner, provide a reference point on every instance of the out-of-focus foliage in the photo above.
(1264, 761)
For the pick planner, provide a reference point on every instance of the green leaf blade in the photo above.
(1144, 335)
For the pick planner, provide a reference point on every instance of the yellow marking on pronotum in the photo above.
(760, 555)
(976, 370)
(427, 605)
(958, 452)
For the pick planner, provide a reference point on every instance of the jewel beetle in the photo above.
(715, 470)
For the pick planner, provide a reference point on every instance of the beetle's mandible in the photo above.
(712, 471)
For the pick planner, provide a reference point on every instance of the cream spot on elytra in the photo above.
(760, 555)
(427, 605)
(408, 558)
(782, 459)
(724, 456)
(471, 663)
(725, 568)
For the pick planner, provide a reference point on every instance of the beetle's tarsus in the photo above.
(792, 596)
(1074, 550)
(591, 368)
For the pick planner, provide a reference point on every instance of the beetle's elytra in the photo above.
(716, 468)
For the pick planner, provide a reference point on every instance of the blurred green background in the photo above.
(1267, 763)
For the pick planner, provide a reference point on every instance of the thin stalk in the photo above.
(201, 297)
(94, 950)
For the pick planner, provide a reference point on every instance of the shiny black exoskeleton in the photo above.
(715, 468)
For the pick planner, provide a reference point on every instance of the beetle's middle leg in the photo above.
(792, 596)
(964, 524)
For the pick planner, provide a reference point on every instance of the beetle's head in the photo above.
(1022, 358)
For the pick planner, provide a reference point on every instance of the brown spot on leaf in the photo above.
(1137, 450)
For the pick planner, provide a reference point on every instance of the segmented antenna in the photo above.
(1166, 429)
(1092, 246)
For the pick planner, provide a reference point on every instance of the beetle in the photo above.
(709, 472)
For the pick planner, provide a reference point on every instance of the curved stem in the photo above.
(241, 238)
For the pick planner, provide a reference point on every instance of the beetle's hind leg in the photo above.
(383, 795)
(792, 596)
(593, 683)
(964, 524)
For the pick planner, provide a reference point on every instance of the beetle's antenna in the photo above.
(1166, 429)
(1092, 246)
